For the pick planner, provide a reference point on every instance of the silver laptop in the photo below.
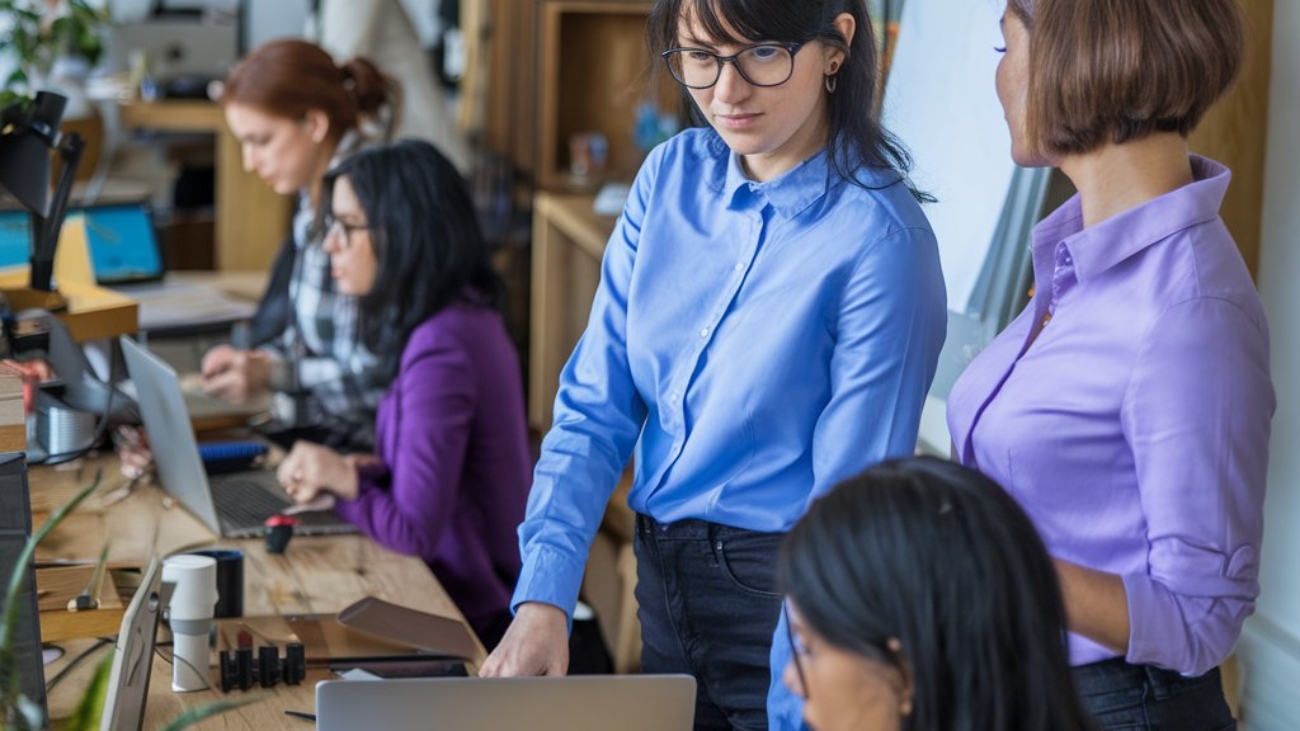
(232, 505)
(574, 703)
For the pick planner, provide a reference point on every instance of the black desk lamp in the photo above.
(27, 134)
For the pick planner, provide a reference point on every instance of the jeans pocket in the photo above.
(749, 561)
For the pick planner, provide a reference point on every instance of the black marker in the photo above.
(304, 716)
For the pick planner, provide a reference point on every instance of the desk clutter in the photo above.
(383, 639)
(56, 586)
(239, 670)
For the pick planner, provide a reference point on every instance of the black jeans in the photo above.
(1124, 697)
(708, 607)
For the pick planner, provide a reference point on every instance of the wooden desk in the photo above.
(315, 575)
(251, 218)
(568, 245)
(93, 312)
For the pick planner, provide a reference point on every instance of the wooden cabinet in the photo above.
(595, 70)
(252, 219)
(565, 67)
(568, 245)
(1235, 133)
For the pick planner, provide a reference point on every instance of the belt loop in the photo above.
(1156, 682)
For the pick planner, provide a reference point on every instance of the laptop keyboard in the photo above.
(244, 502)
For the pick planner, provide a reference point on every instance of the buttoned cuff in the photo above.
(551, 577)
(1171, 634)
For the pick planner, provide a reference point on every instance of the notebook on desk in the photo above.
(232, 505)
(574, 703)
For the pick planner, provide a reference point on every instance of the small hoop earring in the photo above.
(831, 82)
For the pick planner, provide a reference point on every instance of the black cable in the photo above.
(100, 429)
(74, 662)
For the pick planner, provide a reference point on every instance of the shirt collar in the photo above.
(1097, 249)
(789, 193)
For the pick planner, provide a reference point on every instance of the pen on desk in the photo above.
(304, 716)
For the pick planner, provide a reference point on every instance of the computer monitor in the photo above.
(128, 682)
(15, 238)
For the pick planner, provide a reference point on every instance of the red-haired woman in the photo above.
(296, 114)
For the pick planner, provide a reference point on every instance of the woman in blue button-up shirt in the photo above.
(768, 319)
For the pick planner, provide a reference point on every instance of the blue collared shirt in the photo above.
(750, 343)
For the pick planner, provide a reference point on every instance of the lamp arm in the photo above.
(45, 234)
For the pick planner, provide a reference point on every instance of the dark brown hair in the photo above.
(1119, 70)
(944, 560)
(289, 77)
(857, 139)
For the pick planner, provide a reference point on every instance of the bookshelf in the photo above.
(563, 67)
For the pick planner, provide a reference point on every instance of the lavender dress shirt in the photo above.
(455, 467)
(1134, 430)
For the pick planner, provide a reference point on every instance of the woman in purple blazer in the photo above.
(452, 469)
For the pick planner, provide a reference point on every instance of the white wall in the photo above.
(1270, 648)
(268, 19)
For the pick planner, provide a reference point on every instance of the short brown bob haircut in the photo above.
(1119, 70)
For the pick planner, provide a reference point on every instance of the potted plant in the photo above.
(50, 43)
(18, 713)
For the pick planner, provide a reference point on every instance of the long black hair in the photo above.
(427, 242)
(941, 558)
(857, 139)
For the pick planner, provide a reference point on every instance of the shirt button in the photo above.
(740, 265)
(704, 332)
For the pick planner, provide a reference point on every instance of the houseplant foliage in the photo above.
(36, 32)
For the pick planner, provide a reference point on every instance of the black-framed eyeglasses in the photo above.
(762, 64)
(337, 226)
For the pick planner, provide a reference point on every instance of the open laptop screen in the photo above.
(123, 243)
(121, 238)
(15, 238)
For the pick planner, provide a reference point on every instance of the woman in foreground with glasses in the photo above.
(768, 320)
(921, 597)
(452, 464)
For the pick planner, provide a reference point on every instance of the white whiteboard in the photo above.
(942, 103)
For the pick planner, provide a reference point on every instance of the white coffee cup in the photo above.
(190, 613)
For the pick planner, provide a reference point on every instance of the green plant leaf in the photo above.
(194, 715)
(31, 713)
(91, 706)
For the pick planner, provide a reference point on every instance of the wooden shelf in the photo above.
(568, 245)
(251, 218)
(595, 70)
(562, 67)
(93, 313)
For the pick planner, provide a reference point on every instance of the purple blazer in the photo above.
(455, 466)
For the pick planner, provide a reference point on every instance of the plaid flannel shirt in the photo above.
(328, 380)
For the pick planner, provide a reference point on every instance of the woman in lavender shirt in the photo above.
(1128, 408)
(452, 469)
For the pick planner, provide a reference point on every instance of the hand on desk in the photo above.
(236, 375)
(537, 643)
(311, 469)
